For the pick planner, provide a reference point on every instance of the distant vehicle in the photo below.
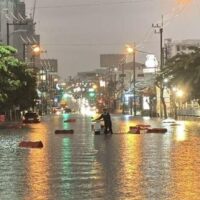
(57, 110)
(67, 110)
(31, 117)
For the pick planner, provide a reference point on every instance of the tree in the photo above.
(183, 71)
(17, 81)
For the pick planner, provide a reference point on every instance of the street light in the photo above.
(131, 50)
(36, 49)
(177, 94)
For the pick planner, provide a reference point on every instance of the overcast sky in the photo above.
(76, 32)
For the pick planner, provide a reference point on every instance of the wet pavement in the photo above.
(146, 166)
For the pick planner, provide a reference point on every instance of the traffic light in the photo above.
(92, 94)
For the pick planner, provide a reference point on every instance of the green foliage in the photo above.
(183, 71)
(17, 82)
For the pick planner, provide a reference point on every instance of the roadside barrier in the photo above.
(156, 130)
(30, 144)
(71, 131)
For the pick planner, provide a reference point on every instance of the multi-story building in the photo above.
(48, 72)
(7, 8)
(17, 30)
(174, 47)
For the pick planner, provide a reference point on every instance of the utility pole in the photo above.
(134, 89)
(160, 27)
(123, 98)
(132, 50)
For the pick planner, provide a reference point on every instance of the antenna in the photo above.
(34, 5)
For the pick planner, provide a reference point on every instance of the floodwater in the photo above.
(101, 167)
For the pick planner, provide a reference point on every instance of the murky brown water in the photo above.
(98, 167)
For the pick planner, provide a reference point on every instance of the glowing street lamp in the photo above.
(131, 50)
(165, 80)
(36, 49)
(179, 93)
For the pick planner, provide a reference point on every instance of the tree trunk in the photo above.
(163, 102)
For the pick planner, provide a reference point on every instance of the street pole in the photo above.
(46, 89)
(24, 52)
(134, 92)
(123, 97)
(160, 27)
(7, 25)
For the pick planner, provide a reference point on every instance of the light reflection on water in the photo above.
(112, 167)
(37, 164)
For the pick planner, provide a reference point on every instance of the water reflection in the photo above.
(180, 132)
(185, 169)
(66, 166)
(37, 166)
(95, 167)
(130, 175)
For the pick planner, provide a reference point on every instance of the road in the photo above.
(81, 166)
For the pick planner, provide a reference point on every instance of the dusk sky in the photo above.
(76, 32)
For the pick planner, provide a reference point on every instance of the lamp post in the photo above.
(131, 50)
(24, 49)
(123, 98)
(36, 50)
(177, 95)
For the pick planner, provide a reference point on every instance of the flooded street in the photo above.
(82, 165)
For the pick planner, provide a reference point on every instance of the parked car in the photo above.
(31, 117)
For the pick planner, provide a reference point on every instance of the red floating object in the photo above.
(157, 130)
(30, 144)
(70, 120)
(143, 125)
(64, 131)
(134, 129)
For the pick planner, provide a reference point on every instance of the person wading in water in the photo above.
(107, 121)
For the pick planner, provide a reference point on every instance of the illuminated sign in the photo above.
(151, 61)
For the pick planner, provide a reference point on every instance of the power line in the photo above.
(175, 14)
(94, 4)
(88, 44)
(198, 6)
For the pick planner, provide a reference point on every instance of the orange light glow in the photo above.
(183, 1)
(38, 168)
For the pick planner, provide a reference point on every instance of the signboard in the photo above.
(112, 60)
(149, 70)
(151, 61)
